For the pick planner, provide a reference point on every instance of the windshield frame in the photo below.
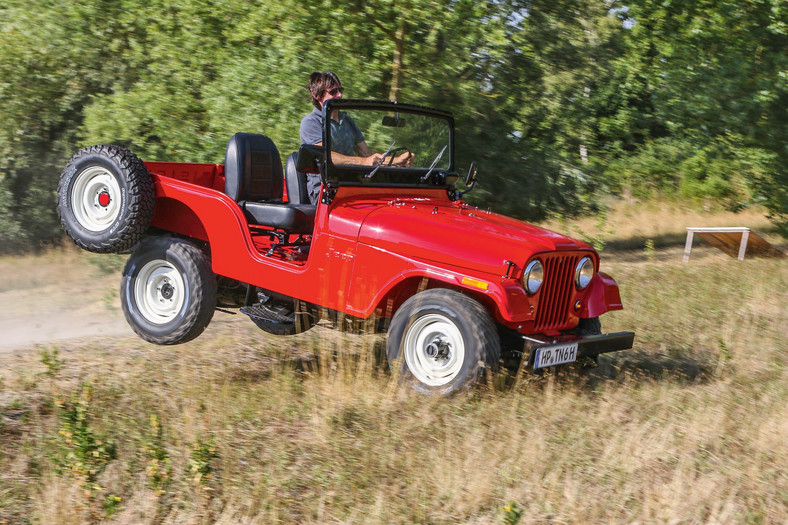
(385, 175)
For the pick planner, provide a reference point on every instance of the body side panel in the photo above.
(342, 273)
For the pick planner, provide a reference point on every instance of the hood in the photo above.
(458, 235)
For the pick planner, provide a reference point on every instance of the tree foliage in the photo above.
(562, 100)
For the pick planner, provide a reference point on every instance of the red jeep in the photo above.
(458, 288)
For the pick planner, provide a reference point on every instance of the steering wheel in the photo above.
(393, 153)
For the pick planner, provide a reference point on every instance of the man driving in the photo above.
(347, 140)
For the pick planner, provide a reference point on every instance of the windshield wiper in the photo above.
(434, 163)
(382, 159)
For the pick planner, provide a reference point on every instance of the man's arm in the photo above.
(363, 150)
(311, 131)
(403, 159)
(365, 156)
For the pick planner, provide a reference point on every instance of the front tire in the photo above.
(442, 341)
(168, 291)
(585, 327)
(589, 326)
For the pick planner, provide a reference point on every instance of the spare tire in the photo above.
(105, 199)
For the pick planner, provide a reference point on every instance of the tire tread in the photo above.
(487, 352)
(141, 197)
(201, 308)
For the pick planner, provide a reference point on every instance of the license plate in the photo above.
(555, 355)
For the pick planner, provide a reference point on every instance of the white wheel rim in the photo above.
(426, 335)
(159, 292)
(96, 199)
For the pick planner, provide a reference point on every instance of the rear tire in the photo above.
(168, 291)
(442, 341)
(105, 199)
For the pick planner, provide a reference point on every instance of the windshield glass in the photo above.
(381, 141)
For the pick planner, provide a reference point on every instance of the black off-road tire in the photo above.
(168, 290)
(442, 341)
(105, 199)
(590, 326)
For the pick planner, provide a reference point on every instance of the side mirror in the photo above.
(310, 158)
(470, 180)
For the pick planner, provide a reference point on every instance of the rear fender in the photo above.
(176, 216)
(602, 296)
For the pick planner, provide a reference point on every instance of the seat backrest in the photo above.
(252, 168)
(296, 182)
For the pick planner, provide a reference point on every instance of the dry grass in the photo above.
(240, 427)
(631, 224)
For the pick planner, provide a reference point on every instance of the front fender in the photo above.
(602, 296)
(378, 275)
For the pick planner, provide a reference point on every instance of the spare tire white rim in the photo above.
(434, 349)
(96, 199)
(159, 292)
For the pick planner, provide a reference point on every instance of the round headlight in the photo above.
(533, 277)
(584, 272)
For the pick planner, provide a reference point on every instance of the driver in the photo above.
(347, 141)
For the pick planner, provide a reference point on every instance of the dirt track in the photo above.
(56, 297)
(67, 295)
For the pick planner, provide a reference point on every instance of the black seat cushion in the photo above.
(305, 186)
(293, 218)
(254, 178)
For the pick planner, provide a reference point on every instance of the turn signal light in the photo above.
(475, 283)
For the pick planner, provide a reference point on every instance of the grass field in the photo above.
(691, 426)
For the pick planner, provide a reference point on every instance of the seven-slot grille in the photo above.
(555, 296)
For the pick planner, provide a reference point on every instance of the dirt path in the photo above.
(62, 295)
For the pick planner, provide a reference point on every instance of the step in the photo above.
(259, 311)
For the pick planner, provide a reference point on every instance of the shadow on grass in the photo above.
(677, 240)
(661, 242)
(657, 367)
(616, 368)
(369, 357)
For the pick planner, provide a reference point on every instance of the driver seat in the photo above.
(300, 190)
(254, 179)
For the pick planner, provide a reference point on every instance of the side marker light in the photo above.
(468, 281)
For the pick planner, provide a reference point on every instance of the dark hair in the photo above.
(319, 83)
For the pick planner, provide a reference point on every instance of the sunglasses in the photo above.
(335, 91)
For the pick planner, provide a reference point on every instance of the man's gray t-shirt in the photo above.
(344, 137)
(344, 134)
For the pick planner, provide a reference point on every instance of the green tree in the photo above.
(50, 66)
(717, 72)
(557, 100)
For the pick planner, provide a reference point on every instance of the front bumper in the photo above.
(587, 346)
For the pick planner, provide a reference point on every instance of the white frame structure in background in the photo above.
(745, 237)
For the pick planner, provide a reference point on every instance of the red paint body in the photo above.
(374, 247)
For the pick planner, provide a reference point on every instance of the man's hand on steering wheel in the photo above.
(405, 157)
(373, 160)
